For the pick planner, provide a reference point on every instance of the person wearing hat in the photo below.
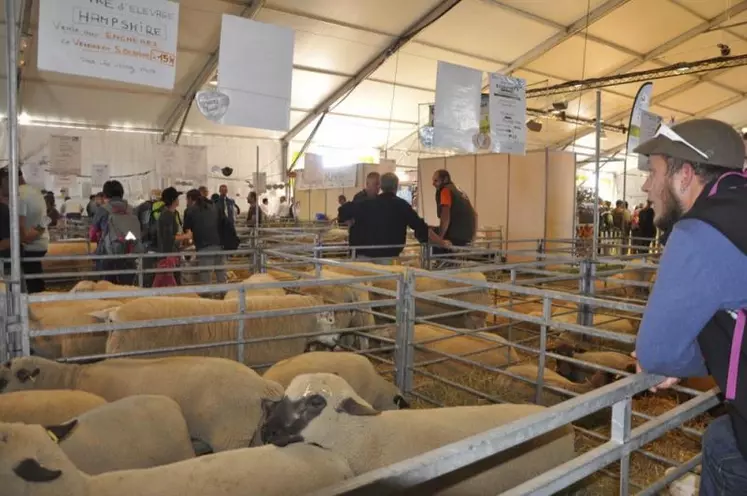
(695, 318)
(169, 223)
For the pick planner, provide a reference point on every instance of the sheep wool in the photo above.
(251, 293)
(337, 419)
(357, 371)
(149, 338)
(477, 296)
(68, 249)
(518, 391)
(46, 407)
(481, 347)
(31, 464)
(221, 400)
(135, 432)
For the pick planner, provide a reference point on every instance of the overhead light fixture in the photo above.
(534, 125)
(559, 106)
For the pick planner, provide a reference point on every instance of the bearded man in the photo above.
(695, 318)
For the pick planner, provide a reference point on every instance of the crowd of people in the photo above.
(378, 219)
(634, 228)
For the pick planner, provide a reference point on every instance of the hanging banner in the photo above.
(195, 161)
(456, 114)
(507, 114)
(65, 155)
(100, 174)
(641, 103)
(260, 182)
(649, 123)
(338, 177)
(133, 41)
(255, 72)
(35, 175)
(313, 169)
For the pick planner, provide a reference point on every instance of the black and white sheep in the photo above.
(220, 399)
(32, 464)
(357, 371)
(322, 409)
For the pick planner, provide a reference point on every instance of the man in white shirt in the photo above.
(71, 208)
(33, 221)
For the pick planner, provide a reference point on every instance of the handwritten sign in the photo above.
(100, 173)
(133, 41)
(65, 155)
(181, 162)
(212, 103)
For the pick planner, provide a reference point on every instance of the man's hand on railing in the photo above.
(669, 382)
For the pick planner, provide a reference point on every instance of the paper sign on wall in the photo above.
(456, 114)
(100, 174)
(508, 112)
(65, 155)
(133, 41)
(255, 68)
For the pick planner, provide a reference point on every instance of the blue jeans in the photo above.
(724, 469)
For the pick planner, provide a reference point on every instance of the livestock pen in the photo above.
(423, 380)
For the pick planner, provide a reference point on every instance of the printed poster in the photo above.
(508, 112)
(65, 155)
(132, 41)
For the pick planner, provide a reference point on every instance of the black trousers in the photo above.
(33, 268)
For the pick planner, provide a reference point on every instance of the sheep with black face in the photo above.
(323, 410)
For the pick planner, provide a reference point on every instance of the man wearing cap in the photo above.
(694, 319)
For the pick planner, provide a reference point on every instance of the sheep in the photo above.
(74, 315)
(357, 371)
(135, 432)
(481, 347)
(606, 322)
(39, 311)
(33, 465)
(255, 354)
(46, 407)
(106, 286)
(517, 391)
(69, 248)
(345, 319)
(424, 308)
(580, 373)
(337, 419)
(221, 399)
(250, 293)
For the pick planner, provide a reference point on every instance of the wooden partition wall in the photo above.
(529, 197)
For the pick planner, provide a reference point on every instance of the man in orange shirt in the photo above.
(457, 217)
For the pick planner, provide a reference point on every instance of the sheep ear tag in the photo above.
(61, 432)
(213, 104)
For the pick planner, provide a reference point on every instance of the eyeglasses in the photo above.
(667, 132)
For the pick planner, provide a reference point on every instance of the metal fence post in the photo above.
(242, 323)
(546, 317)
(262, 261)
(141, 266)
(4, 327)
(403, 355)
(317, 251)
(540, 249)
(23, 335)
(620, 433)
(586, 287)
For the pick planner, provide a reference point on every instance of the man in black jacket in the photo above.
(383, 221)
(345, 212)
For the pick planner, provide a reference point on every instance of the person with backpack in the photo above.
(695, 317)
(117, 231)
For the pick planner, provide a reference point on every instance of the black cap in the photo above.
(170, 194)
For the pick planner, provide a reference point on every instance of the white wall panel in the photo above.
(426, 191)
(491, 191)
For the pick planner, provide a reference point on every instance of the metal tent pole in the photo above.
(11, 65)
(598, 140)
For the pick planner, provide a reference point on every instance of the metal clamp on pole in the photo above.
(403, 355)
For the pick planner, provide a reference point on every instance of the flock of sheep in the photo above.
(206, 423)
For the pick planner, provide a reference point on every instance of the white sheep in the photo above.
(45, 407)
(425, 308)
(31, 464)
(135, 432)
(256, 279)
(255, 354)
(106, 286)
(357, 371)
(221, 399)
(480, 347)
(518, 391)
(322, 409)
(580, 373)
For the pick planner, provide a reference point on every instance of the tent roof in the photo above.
(544, 41)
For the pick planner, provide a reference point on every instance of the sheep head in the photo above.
(105, 315)
(34, 464)
(311, 410)
(20, 374)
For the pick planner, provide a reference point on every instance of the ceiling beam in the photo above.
(429, 18)
(250, 10)
(24, 36)
(652, 55)
(564, 34)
